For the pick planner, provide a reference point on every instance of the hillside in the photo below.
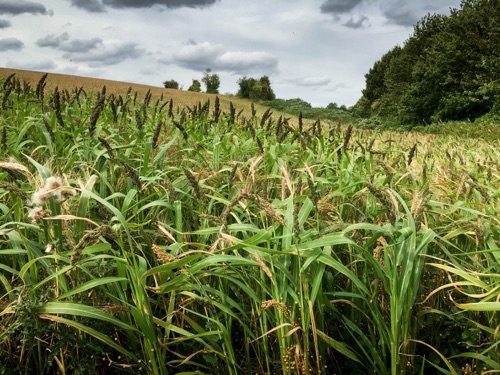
(180, 98)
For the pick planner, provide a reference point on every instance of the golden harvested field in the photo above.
(181, 98)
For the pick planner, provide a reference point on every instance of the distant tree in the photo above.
(195, 86)
(246, 85)
(332, 106)
(250, 88)
(264, 90)
(172, 84)
(211, 81)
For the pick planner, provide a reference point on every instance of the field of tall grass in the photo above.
(139, 236)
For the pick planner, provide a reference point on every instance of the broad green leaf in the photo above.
(77, 309)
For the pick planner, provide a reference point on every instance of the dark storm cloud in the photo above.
(11, 44)
(15, 7)
(4, 24)
(100, 5)
(108, 55)
(339, 6)
(356, 24)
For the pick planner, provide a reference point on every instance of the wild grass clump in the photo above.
(192, 240)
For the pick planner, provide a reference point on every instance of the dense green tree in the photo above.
(195, 86)
(448, 69)
(251, 88)
(172, 84)
(245, 85)
(211, 81)
(376, 83)
(263, 89)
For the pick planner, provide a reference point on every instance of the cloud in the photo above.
(16, 7)
(93, 6)
(336, 7)
(402, 15)
(13, 44)
(52, 40)
(81, 45)
(311, 81)
(4, 24)
(43, 65)
(100, 5)
(243, 62)
(106, 54)
(206, 55)
(150, 3)
(356, 24)
(63, 43)
(93, 51)
(407, 13)
(197, 56)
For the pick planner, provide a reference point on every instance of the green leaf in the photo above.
(90, 285)
(338, 346)
(77, 309)
(480, 306)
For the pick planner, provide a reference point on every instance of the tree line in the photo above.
(249, 88)
(448, 69)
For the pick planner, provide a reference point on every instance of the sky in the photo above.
(316, 50)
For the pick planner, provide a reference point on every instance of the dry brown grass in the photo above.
(180, 98)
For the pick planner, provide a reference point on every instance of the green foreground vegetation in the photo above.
(138, 237)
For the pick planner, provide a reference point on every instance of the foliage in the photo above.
(172, 84)
(447, 70)
(336, 106)
(250, 88)
(298, 106)
(137, 237)
(211, 81)
(195, 86)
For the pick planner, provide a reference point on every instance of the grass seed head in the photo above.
(162, 256)
(279, 305)
(264, 266)
(36, 214)
(411, 154)
(40, 197)
(382, 198)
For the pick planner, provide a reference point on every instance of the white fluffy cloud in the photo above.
(199, 56)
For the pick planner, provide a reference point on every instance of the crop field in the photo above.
(181, 98)
(140, 234)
